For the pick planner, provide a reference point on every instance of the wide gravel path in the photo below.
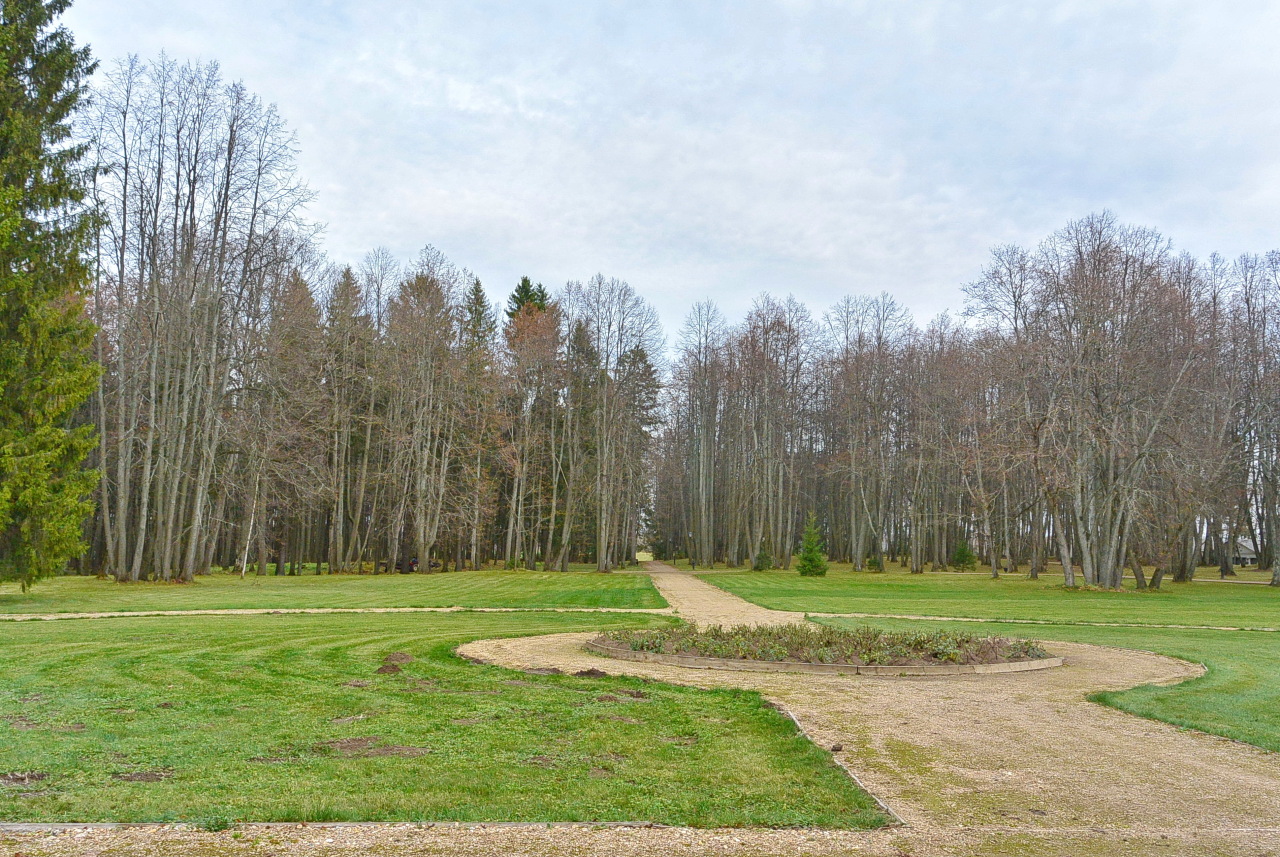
(701, 603)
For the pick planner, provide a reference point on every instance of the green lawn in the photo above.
(530, 589)
(215, 719)
(1010, 597)
(1053, 572)
(1238, 698)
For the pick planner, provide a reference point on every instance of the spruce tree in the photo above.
(527, 293)
(479, 324)
(812, 562)
(964, 558)
(46, 370)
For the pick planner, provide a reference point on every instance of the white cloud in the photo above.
(704, 150)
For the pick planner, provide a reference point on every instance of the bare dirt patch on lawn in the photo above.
(155, 776)
(368, 747)
(398, 658)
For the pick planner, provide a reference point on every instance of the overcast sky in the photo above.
(718, 150)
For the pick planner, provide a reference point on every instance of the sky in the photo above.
(716, 150)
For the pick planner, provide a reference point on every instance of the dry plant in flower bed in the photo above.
(818, 644)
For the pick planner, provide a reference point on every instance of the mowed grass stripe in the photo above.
(1010, 597)
(234, 718)
(521, 589)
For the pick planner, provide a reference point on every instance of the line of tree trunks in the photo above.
(1107, 403)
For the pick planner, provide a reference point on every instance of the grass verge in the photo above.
(1010, 597)
(527, 589)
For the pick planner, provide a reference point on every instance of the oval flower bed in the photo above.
(817, 648)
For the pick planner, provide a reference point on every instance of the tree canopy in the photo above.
(527, 293)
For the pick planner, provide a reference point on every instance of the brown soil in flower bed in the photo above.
(816, 644)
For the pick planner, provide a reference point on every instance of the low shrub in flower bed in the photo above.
(819, 644)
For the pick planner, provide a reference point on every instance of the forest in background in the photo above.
(261, 405)
(1104, 401)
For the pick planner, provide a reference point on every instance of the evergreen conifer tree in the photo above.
(964, 557)
(527, 293)
(46, 369)
(812, 562)
(479, 324)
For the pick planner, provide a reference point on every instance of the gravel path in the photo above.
(497, 841)
(974, 765)
(701, 603)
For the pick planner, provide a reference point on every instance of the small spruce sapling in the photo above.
(812, 562)
(964, 557)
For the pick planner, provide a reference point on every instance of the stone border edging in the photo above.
(700, 663)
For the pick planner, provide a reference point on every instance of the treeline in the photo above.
(1107, 403)
(262, 408)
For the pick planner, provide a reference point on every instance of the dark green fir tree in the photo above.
(527, 293)
(812, 561)
(46, 368)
